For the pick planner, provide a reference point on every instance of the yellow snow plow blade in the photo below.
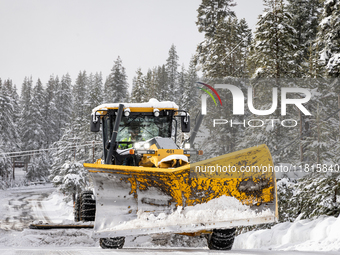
(222, 192)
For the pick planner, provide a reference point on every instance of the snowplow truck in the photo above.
(145, 184)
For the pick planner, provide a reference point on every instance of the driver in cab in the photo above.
(133, 134)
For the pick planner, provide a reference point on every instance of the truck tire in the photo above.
(221, 239)
(76, 209)
(112, 243)
(87, 206)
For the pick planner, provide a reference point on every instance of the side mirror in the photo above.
(95, 126)
(185, 123)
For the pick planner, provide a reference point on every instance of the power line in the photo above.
(40, 151)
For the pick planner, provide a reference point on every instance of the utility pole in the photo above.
(13, 164)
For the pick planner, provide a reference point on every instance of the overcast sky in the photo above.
(44, 37)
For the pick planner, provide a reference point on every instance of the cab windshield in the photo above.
(135, 128)
(142, 128)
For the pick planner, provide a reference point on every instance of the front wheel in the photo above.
(112, 243)
(87, 206)
(221, 239)
(76, 209)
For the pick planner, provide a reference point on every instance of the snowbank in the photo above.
(52, 209)
(322, 234)
(216, 210)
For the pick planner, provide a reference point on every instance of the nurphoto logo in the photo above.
(238, 99)
(238, 107)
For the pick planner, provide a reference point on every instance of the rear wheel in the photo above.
(112, 243)
(221, 239)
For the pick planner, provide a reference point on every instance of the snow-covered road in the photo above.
(21, 206)
(156, 251)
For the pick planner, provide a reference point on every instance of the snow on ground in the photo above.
(321, 234)
(44, 238)
(55, 207)
(23, 205)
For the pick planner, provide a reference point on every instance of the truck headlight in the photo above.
(146, 146)
(137, 146)
(156, 112)
(127, 112)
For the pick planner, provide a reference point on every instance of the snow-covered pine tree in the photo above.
(50, 111)
(274, 44)
(26, 113)
(305, 15)
(304, 19)
(224, 50)
(38, 168)
(9, 137)
(161, 81)
(224, 54)
(116, 85)
(67, 172)
(8, 112)
(220, 55)
(211, 13)
(138, 93)
(328, 48)
(312, 138)
(328, 37)
(37, 125)
(97, 97)
(181, 137)
(77, 144)
(4, 162)
(317, 193)
(321, 128)
(240, 51)
(80, 92)
(172, 75)
(181, 84)
(314, 196)
(3, 171)
(64, 103)
(95, 90)
(35, 134)
(90, 88)
(190, 99)
(81, 110)
(151, 85)
(272, 58)
(53, 131)
(17, 112)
